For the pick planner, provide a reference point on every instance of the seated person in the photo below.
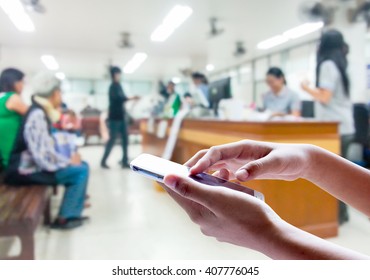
(11, 110)
(280, 100)
(71, 122)
(243, 220)
(34, 159)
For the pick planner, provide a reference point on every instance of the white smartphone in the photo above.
(156, 168)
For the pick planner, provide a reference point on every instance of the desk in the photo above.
(300, 203)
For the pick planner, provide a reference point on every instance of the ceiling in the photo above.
(83, 34)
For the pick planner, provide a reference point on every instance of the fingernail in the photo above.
(242, 174)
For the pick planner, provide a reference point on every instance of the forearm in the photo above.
(340, 177)
(315, 93)
(291, 243)
(318, 94)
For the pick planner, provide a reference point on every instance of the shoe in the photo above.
(125, 165)
(69, 223)
(104, 166)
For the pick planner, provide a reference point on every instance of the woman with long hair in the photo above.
(332, 91)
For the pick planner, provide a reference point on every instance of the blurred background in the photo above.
(156, 43)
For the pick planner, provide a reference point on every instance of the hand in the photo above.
(135, 98)
(76, 159)
(305, 85)
(248, 160)
(229, 216)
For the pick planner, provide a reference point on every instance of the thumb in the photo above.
(190, 189)
(257, 169)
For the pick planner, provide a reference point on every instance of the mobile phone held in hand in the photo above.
(156, 168)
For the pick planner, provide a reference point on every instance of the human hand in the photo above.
(228, 215)
(75, 159)
(305, 85)
(248, 160)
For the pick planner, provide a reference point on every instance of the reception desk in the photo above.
(300, 203)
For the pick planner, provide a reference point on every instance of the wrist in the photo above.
(313, 154)
(274, 241)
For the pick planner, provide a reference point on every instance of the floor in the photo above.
(130, 220)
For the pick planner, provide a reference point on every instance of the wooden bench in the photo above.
(21, 211)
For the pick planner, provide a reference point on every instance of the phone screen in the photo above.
(156, 168)
(207, 179)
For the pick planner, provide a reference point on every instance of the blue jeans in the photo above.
(74, 178)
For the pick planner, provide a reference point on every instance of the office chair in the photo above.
(308, 109)
(358, 149)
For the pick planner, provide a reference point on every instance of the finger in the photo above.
(257, 169)
(191, 162)
(193, 209)
(215, 154)
(222, 173)
(202, 194)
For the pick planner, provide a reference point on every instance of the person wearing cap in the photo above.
(35, 160)
(332, 92)
(116, 118)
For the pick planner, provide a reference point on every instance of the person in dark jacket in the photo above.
(116, 118)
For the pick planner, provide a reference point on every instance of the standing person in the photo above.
(11, 110)
(280, 100)
(202, 94)
(332, 92)
(173, 104)
(116, 118)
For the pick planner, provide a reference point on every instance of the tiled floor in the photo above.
(130, 220)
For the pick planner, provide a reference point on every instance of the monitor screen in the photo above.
(219, 90)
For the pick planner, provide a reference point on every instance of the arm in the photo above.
(117, 95)
(41, 144)
(328, 79)
(322, 95)
(296, 106)
(340, 177)
(296, 113)
(240, 219)
(248, 160)
(16, 104)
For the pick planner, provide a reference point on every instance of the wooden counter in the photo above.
(300, 203)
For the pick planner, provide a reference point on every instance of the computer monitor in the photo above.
(219, 90)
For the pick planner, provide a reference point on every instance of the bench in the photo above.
(21, 211)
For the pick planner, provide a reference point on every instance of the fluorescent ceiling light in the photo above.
(60, 75)
(210, 67)
(176, 80)
(272, 42)
(50, 62)
(135, 62)
(303, 30)
(15, 11)
(177, 16)
(294, 33)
